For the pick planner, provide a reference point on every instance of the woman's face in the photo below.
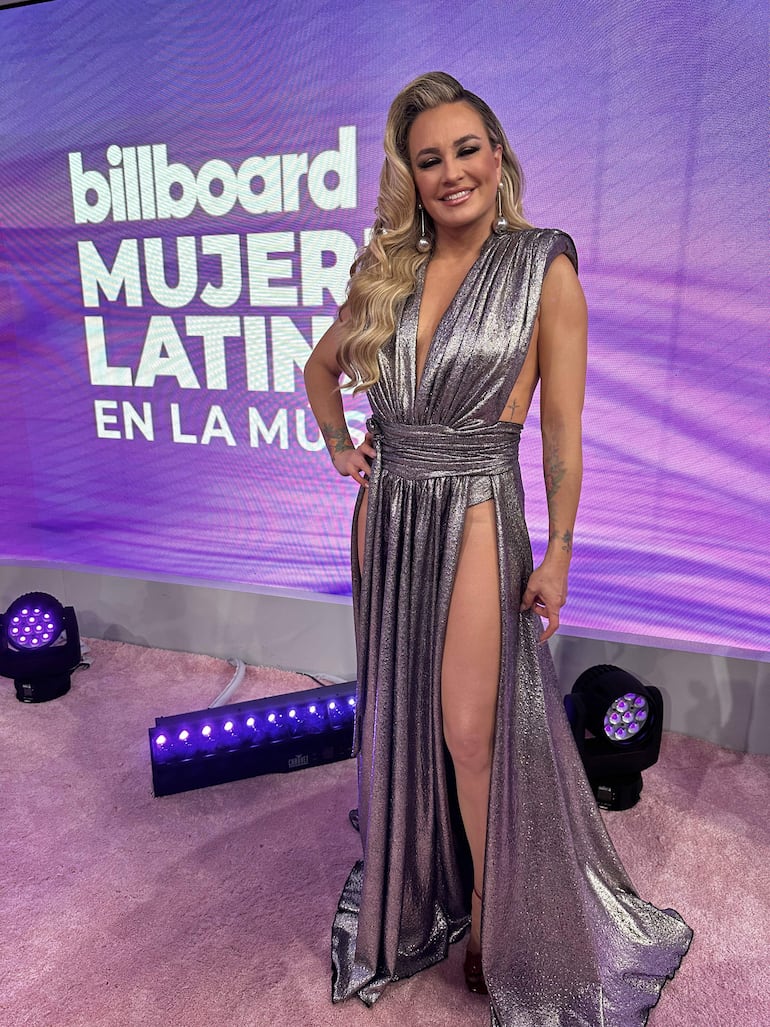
(456, 170)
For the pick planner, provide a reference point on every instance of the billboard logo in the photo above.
(141, 184)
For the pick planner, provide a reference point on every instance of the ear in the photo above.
(498, 153)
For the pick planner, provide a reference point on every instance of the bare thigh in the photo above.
(471, 660)
(360, 528)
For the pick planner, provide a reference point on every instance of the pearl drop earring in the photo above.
(501, 224)
(423, 243)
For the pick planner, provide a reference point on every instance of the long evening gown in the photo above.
(565, 939)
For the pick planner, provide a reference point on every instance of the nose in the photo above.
(452, 169)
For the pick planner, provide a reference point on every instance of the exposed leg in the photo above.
(360, 528)
(469, 683)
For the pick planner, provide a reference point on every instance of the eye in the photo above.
(467, 151)
(427, 163)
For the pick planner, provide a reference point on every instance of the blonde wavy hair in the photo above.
(384, 272)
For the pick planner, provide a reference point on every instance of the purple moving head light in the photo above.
(617, 722)
(626, 717)
(34, 623)
(39, 646)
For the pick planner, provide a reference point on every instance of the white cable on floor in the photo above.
(85, 659)
(240, 670)
(232, 684)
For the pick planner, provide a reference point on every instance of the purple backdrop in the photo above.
(182, 190)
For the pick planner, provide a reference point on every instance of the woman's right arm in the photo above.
(322, 378)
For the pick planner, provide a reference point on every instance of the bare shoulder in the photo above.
(562, 294)
(561, 274)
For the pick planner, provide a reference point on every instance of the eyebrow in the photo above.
(457, 142)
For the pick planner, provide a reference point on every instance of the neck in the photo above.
(460, 244)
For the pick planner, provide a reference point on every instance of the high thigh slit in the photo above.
(470, 677)
(566, 941)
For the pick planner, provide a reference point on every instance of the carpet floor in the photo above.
(214, 906)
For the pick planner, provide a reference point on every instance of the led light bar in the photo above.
(258, 736)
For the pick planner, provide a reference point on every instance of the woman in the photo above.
(456, 308)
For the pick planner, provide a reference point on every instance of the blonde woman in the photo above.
(475, 813)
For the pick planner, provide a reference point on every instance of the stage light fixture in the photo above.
(617, 722)
(39, 646)
(258, 736)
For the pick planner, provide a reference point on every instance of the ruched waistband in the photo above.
(436, 451)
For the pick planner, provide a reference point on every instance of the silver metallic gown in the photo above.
(566, 942)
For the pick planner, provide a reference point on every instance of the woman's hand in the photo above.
(356, 462)
(546, 593)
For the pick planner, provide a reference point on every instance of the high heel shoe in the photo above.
(474, 974)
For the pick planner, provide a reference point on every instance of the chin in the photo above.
(468, 220)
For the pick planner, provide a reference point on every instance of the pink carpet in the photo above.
(214, 906)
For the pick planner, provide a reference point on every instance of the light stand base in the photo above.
(618, 793)
(42, 689)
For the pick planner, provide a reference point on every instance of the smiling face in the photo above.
(456, 169)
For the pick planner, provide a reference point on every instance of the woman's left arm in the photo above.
(562, 346)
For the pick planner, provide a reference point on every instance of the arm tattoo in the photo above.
(337, 439)
(554, 472)
(564, 537)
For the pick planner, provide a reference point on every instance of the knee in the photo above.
(470, 746)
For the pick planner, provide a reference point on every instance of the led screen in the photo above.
(183, 187)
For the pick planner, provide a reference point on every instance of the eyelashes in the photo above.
(430, 162)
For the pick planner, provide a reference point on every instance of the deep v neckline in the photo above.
(418, 383)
